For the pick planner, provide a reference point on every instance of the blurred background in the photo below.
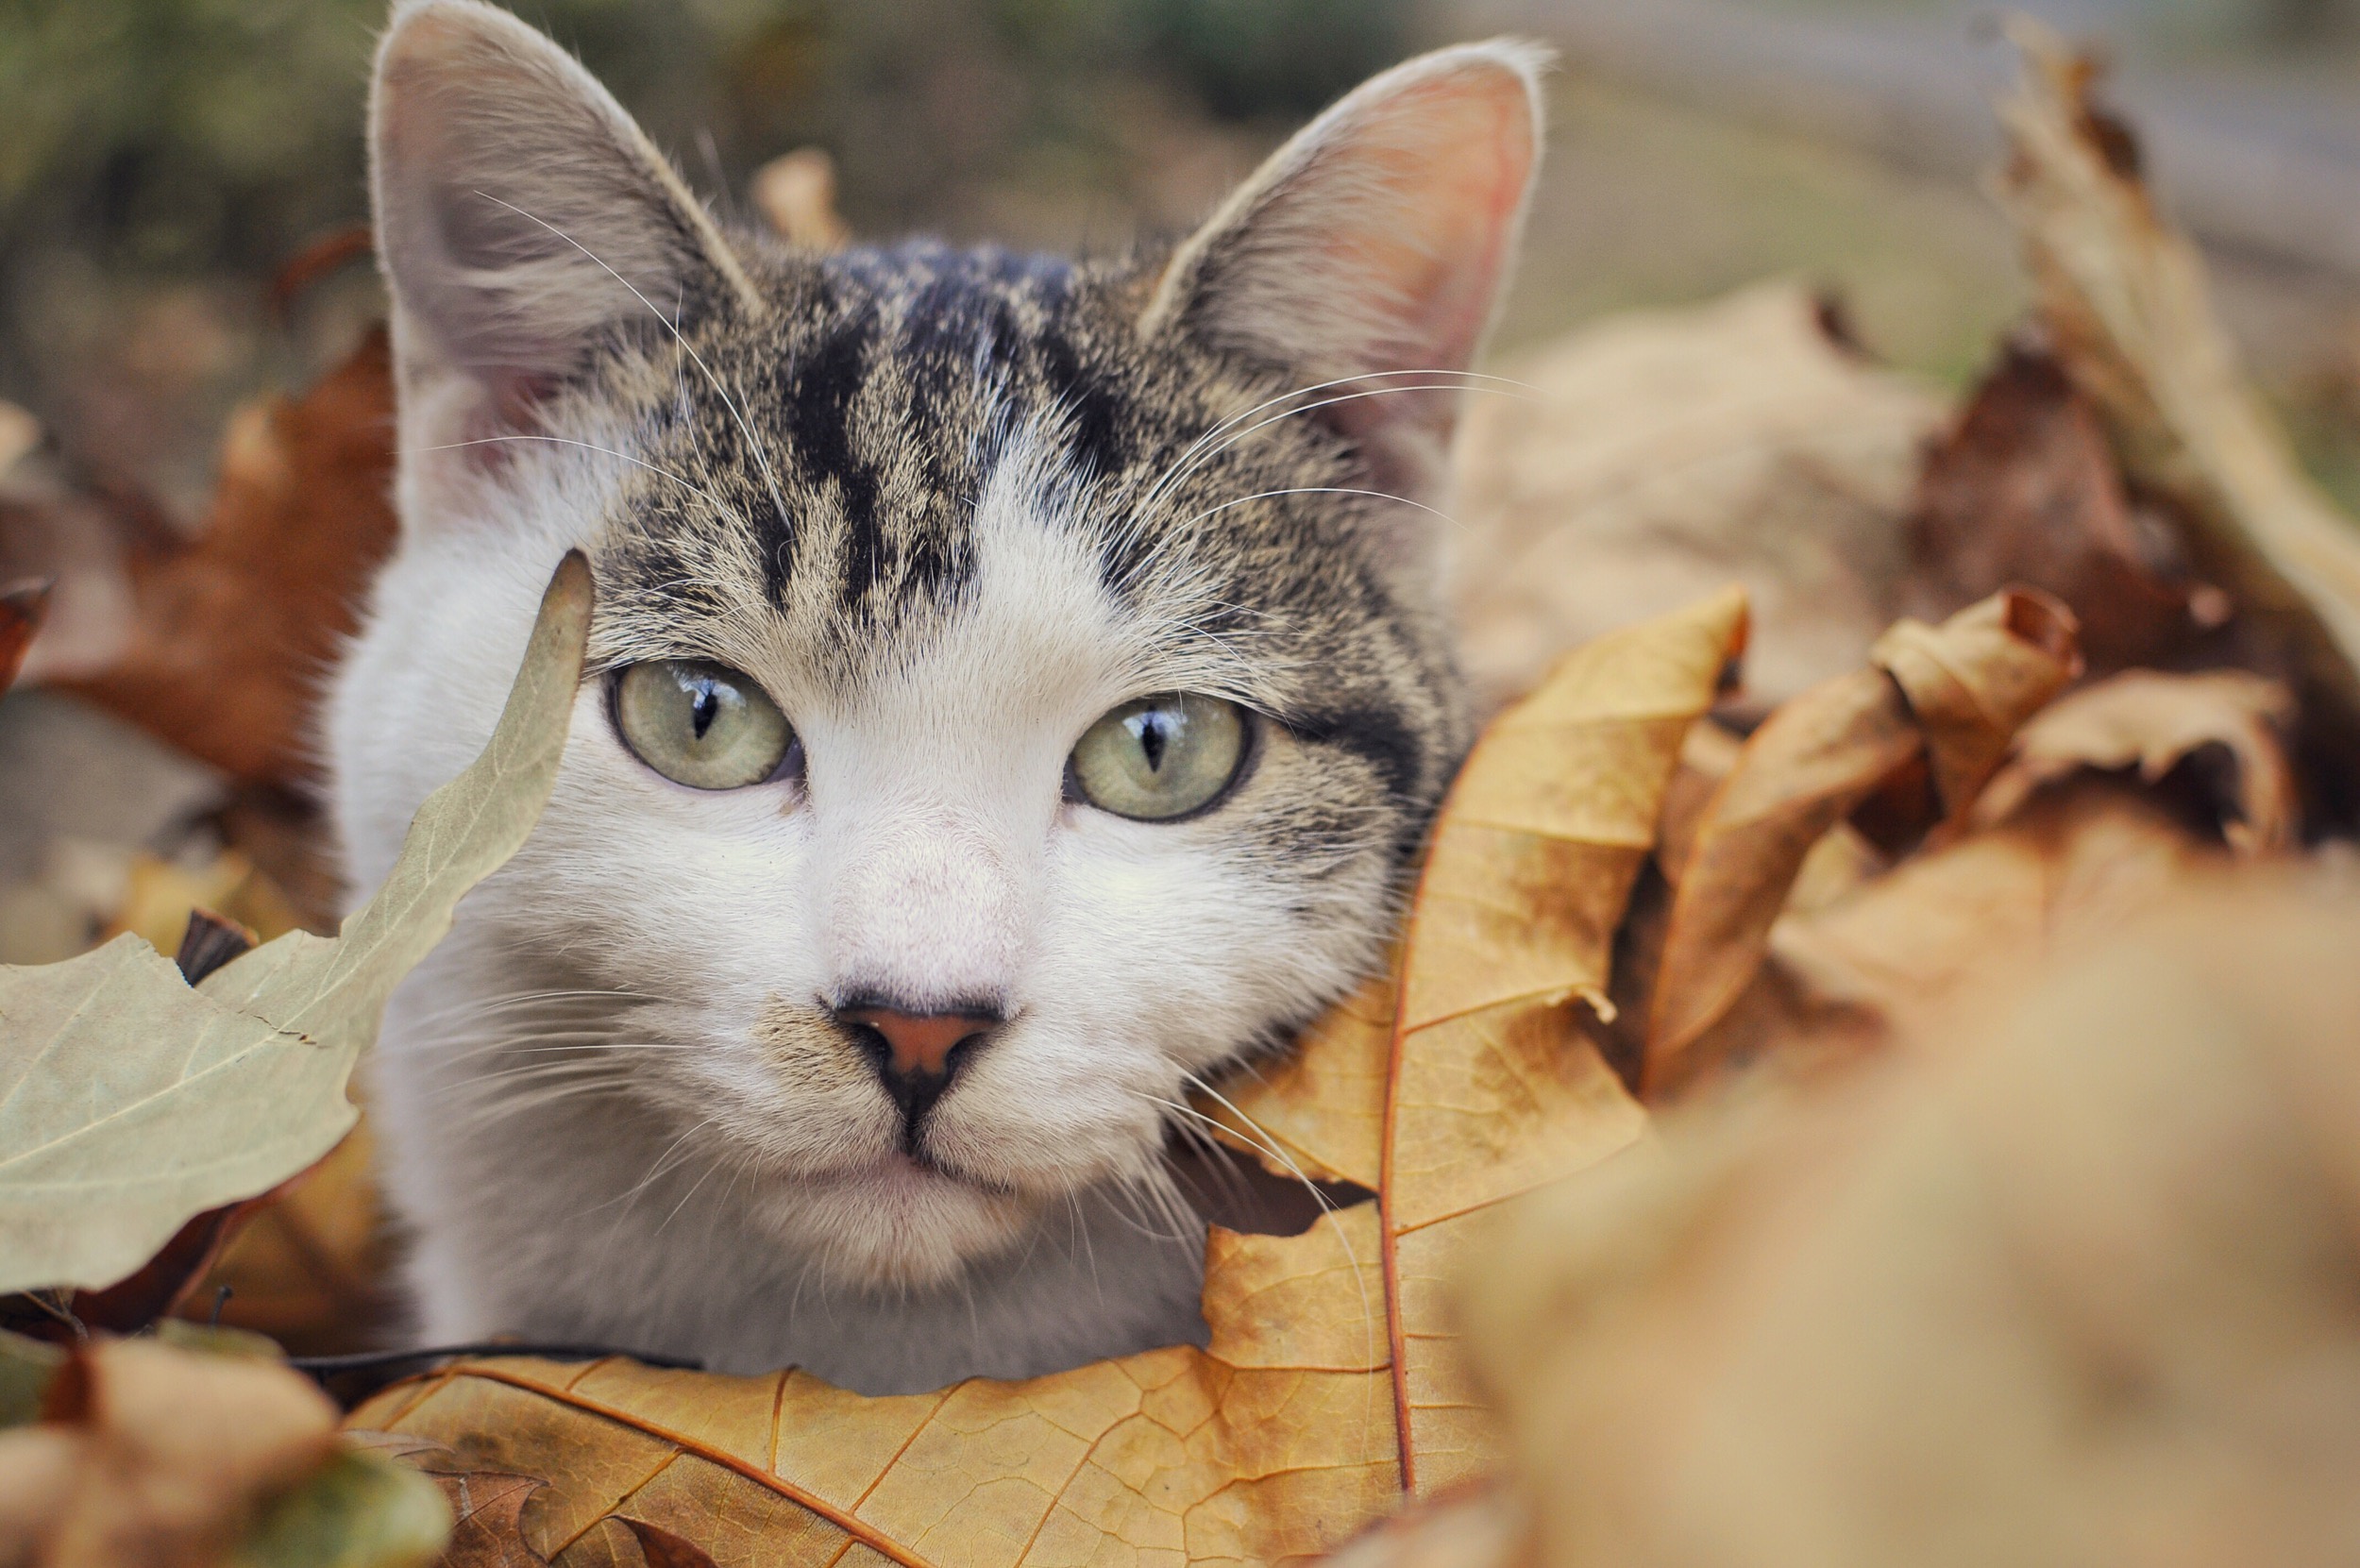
(161, 161)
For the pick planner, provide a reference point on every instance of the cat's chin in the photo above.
(900, 1224)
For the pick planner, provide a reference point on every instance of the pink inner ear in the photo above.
(1458, 183)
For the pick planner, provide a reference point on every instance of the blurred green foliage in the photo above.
(170, 134)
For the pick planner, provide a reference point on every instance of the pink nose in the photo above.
(917, 1045)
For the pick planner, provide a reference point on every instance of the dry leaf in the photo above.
(2152, 722)
(21, 606)
(1497, 1084)
(487, 1506)
(1644, 461)
(1944, 698)
(2123, 297)
(148, 1455)
(795, 193)
(225, 636)
(129, 1101)
(2073, 1288)
(1279, 1439)
(2078, 860)
(2023, 488)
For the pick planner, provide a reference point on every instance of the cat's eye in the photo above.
(1160, 757)
(701, 724)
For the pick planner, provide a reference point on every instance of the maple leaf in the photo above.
(1328, 1386)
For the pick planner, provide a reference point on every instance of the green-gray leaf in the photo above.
(130, 1102)
(357, 1510)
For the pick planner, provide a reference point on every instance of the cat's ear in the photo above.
(521, 218)
(1374, 245)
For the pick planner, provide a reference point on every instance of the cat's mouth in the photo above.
(916, 1164)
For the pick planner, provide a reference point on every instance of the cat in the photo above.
(1017, 688)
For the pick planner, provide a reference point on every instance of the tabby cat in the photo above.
(1017, 688)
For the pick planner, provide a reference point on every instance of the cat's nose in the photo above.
(916, 1055)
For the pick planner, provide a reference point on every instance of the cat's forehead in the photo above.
(834, 475)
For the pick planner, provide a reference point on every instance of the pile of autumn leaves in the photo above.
(1920, 1129)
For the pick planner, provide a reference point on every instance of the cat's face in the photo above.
(1013, 697)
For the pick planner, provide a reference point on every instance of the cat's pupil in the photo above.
(1154, 738)
(704, 706)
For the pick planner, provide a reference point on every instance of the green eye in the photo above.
(702, 725)
(1160, 757)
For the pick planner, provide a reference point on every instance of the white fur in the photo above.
(613, 1106)
(932, 857)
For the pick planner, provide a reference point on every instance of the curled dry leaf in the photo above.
(2077, 860)
(1280, 1438)
(129, 1101)
(1936, 711)
(2124, 300)
(2151, 722)
(487, 1506)
(2071, 1283)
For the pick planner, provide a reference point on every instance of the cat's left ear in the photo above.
(523, 221)
(1371, 249)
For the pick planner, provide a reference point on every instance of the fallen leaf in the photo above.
(133, 1102)
(21, 606)
(2077, 861)
(487, 1506)
(1943, 700)
(795, 193)
(1497, 1084)
(1280, 1438)
(2151, 722)
(220, 652)
(1644, 461)
(148, 1453)
(2023, 488)
(663, 1549)
(2123, 299)
(2072, 1284)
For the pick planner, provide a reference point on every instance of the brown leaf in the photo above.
(21, 607)
(1280, 1438)
(2024, 488)
(1642, 463)
(2069, 1285)
(2154, 722)
(228, 634)
(487, 1506)
(1497, 1084)
(1948, 697)
(665, 1550)
(2082, 858)
(2124, 300)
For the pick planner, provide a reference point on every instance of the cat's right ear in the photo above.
(522, 217)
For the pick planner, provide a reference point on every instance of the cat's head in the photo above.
(1018, 686)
